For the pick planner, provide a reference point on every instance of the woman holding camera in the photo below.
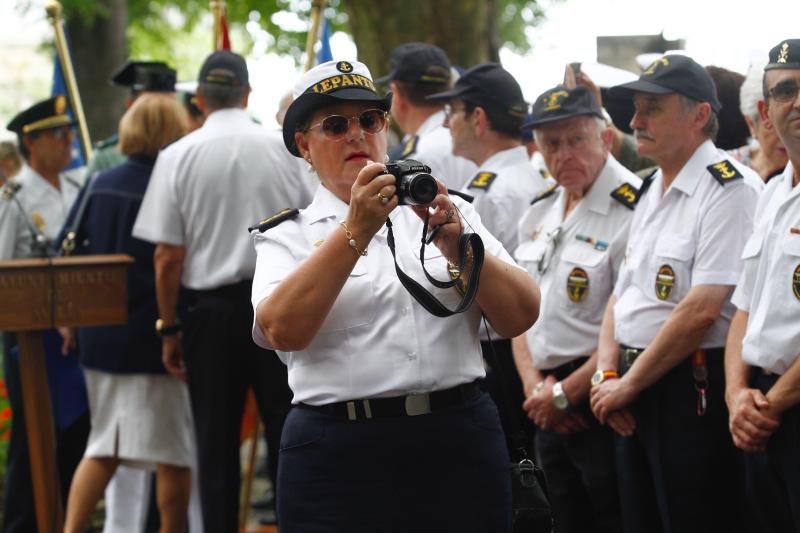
(390, 431)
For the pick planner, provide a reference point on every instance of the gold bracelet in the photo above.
(351, 241)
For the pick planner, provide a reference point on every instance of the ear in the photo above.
(201, 104)
(302, 144)
(28, 141)
(245, 98)
(703, 114)
(763, 112)
(480, 121)
(607, 136)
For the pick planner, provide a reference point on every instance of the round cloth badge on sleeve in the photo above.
(665, 282)
(577, 285)
(796, 282)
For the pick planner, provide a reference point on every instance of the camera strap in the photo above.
(421, 294)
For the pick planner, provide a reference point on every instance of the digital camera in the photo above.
(415, 185)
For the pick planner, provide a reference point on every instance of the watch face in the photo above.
(561, 401)
(597, 377)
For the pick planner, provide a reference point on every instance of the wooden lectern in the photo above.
(38, 294)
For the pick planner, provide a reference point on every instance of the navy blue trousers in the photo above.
(680, 472)
(773, 477)
(445, 471)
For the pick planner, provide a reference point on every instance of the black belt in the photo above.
(235, 292)
(399, 406)
(627, 355)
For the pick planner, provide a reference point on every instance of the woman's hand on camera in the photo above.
(372, 198)
(444, 219)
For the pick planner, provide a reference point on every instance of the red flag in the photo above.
(224, 41)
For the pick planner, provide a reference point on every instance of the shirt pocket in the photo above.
(355, 305)
(584, 281)
(790, 271)
(671, 272)
(528, 255)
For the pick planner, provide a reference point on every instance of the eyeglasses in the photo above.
(449, 111)
(335, 127)
(61, 133)
(553, 240)
(784, 92)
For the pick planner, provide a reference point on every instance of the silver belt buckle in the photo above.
(418, 404)
(630, 355)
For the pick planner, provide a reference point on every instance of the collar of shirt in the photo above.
(599, 197)
(687, 179)
(434, 121)
(506, 158)
(226, 116)
(36, 186)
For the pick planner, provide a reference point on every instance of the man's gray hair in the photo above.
(751, 91)
(711, 128)
(219, 96)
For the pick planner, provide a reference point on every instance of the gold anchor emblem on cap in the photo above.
(344, 66)
(652, 68)
(784, 54)
(552, 100)
(60, 104)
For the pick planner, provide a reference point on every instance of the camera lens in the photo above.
(422, 188)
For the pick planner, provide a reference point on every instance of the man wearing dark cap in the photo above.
(761, 359)
(419, 70)
(33, 207)
(204, 190)
(571, 240)
(484, 112)
(140, 77)
(666, 323)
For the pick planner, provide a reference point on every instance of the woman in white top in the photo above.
(390, 431)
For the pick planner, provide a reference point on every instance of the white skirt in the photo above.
(141, 419)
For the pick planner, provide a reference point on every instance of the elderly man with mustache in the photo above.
(665, 325)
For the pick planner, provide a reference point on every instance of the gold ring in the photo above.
(384, 200)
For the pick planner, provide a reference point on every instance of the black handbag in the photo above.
(528, 485)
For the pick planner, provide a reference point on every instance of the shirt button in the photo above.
(412, 356)
(404, 311)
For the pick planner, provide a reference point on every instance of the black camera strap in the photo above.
(421, 294)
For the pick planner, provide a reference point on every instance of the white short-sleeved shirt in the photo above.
(376, 341)
(210, 186)
(433, 146)
(692, 234)
(37, 207)
(503, 189)
(769, 289)
(581, 262)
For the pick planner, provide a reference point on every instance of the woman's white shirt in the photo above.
(376, 341)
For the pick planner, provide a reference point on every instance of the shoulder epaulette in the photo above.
(628, 195)
(105, 143)
(8, 190)
(274, 220)
(550, 190)
(724, 172)
(410, 146)
(482, 180)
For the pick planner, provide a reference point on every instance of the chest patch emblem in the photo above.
(796, 282)
(38, 220)
(577, 285)
(665, 282)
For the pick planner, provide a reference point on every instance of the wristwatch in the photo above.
(164, 331)
(602, 375)
(559, 398)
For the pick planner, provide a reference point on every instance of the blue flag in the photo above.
(325, 53)
(60, 87)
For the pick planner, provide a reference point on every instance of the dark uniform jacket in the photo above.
(105, 228)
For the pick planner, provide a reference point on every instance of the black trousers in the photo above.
(679, 472)
(447, 471)
(19, 510)
(221, 363)
(773, 477)
(581, 472)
